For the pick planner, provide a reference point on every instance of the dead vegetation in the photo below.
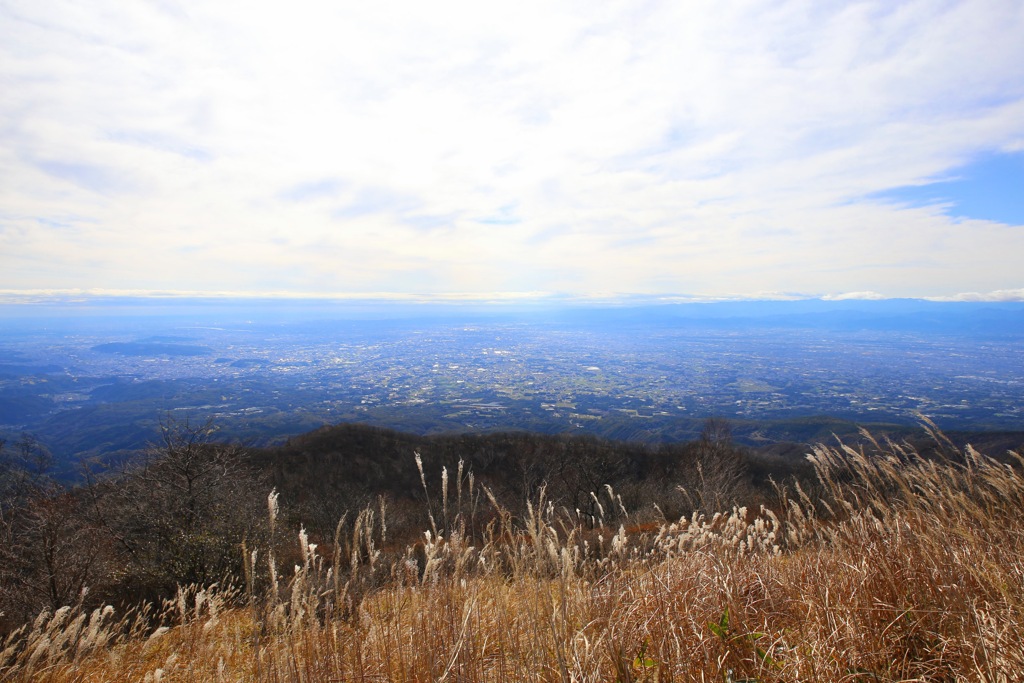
(896, 568)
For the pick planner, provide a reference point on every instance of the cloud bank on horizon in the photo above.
(708, 148)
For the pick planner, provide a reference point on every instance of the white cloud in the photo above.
(709, 148)
(863, 296)
(995, 296)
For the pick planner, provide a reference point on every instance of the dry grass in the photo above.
(904, 570)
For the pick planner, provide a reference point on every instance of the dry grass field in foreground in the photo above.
(897, 569)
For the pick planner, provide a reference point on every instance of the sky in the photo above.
(701, 149)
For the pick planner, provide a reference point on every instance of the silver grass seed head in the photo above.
(272, 507)
(419, 466)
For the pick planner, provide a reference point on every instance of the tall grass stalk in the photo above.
(901, 568)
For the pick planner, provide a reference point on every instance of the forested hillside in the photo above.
(513, 557)
(179, 513)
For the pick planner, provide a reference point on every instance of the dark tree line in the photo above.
(177, 516)
(344, 467)
(182, 512)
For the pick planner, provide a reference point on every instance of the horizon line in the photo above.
(81, 295)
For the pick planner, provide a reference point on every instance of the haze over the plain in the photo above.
(461, 149)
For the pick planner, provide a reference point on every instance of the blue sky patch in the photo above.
(505, 215)
(991, 188)
(313, 190)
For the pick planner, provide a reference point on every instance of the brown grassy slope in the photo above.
(907, 569)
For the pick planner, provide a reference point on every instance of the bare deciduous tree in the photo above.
(180, 515)
(720, 473)
(51, 552)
